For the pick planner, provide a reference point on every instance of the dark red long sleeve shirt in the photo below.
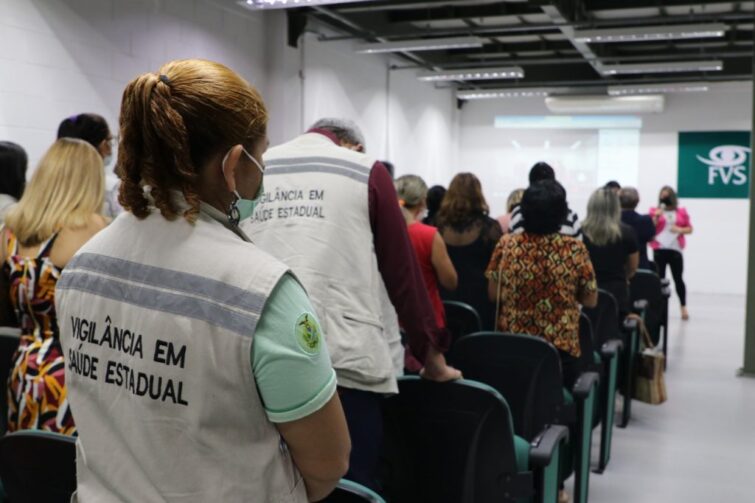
(398, 264)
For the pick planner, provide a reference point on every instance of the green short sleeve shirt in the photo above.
(290, 359)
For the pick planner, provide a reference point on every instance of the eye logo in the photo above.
(727, 163)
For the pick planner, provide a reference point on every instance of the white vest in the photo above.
(314, 216)
(169, 410)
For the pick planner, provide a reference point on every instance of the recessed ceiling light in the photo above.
(649, 33)
(512, 72)
(427, 44)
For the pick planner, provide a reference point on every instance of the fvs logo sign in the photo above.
(727, 163)
(714, 164)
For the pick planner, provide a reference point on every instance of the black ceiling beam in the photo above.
(598, 82)
(471, 12)
(634, 4)
(658, 58)
(391, 32)
(344, 24)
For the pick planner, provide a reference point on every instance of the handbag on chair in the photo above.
(649, 381)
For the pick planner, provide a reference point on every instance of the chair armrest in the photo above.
(10, 331)
(640, 304)
(585, 383)
(544, 445)
(630, 325)
(611, 348)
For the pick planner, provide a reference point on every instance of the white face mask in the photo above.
(423, 214)
(107, 160)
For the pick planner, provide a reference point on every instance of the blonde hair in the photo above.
(67, 188)
(602, 225)
(175, 120)
(514, 199)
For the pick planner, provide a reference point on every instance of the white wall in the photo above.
(405, 121)
(716, 258)
(62, 57)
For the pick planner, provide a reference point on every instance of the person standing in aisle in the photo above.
(672, 224)
(330, 212)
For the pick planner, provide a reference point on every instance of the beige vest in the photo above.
(314, 216)
(156, 321)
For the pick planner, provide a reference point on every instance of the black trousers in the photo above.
(364, 417)
(674, 259)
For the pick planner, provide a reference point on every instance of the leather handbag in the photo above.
(649, 381)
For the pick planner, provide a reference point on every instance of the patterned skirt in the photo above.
(37, 397)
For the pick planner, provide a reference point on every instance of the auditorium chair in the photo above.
(454, 442)
(9, 339)
(526, 370)
(647, 286)
(461, 319)
(351, 492)
(606, 363)
(607, 326)
(38, 466)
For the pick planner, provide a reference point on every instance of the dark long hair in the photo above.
(672, 195)
(91, 128)
(463, 204)
(13, 162)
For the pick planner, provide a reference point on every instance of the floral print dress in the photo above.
(36, 391)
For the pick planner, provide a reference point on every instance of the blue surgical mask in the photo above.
(246, 206)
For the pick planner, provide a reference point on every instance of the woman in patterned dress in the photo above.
(57, 214)
(540, 277)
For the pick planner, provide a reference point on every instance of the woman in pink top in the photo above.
(672, 224)
(428, 245)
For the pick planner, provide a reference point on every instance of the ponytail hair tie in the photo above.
(164, 79)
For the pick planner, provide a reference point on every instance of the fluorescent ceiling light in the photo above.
(640, 89)
(428, 44)
(289, 4)
(512, 72)
(649, 33)
(489, 94)
(605, 104)
(671, 67)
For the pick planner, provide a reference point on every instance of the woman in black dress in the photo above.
(470, 236)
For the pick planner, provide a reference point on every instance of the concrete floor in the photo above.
(699, 446)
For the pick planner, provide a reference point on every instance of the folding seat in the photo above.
(461, 319)
(38, 466)
(607, 326)
(351, 492)
(606, 363)
(454, 443)
(526, 370)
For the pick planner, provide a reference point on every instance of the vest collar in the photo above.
(213, 213)
(325, 133)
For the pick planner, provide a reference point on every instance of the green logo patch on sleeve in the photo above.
(308, 334)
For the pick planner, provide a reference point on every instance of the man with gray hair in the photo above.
(642, 224)
(330, 212)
